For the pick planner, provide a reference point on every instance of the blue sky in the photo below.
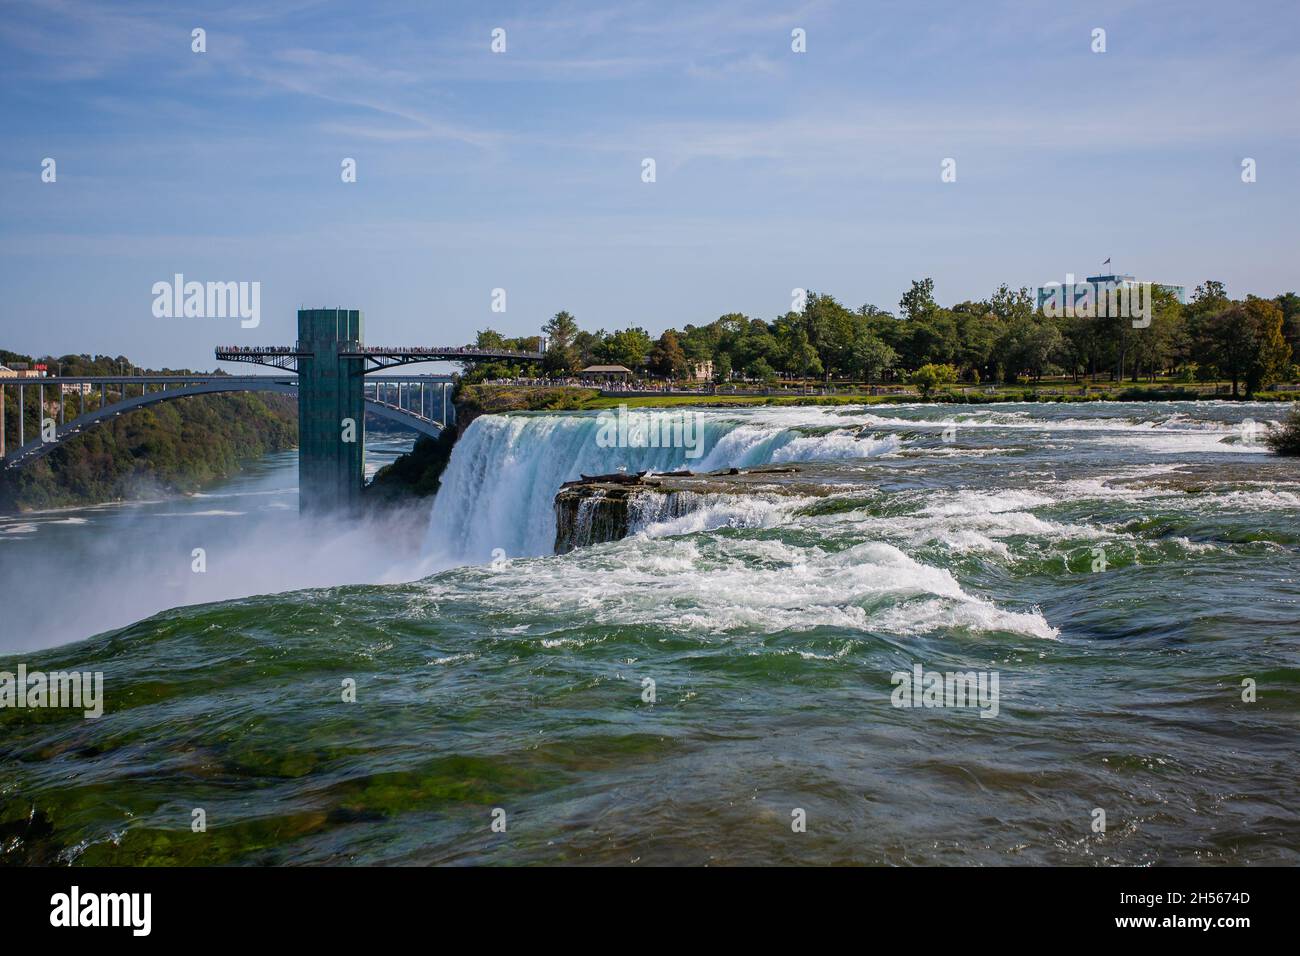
(522, 170)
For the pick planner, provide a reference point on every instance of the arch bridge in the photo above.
(418, 402)
(336, 377)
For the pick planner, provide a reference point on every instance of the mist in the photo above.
(69, 574)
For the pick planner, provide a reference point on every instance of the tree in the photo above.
(1244, 341)
(1233, 344)
(1272, 359)
(628, 347)
(931, 338)
(756, 342)
(832, 330)
(761, 370)
(918, 301)
(869, 311)
(587, 346)
(560, 360)
(699, 343)
(872, 357)
(1028, 344)
(667, 358)
(1162, 343)
(1208, 299)
(1210, 291)
(561, 330)
(1008, 305)
(978, 331)
(928, 377)
(800, 357)
(1289, 303)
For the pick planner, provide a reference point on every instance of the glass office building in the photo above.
(1072, 292)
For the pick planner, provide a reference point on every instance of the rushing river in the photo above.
(1121, 568)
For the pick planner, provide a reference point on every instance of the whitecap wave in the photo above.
(693, 586)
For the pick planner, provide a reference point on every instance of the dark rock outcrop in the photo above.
(599, 508)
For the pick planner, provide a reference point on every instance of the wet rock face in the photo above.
(588, 514)
(600, 508)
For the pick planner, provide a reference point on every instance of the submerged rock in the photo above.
(599, 508)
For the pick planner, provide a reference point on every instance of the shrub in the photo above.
(1285, 439)
(928, 377)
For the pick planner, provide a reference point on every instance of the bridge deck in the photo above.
(376, 357)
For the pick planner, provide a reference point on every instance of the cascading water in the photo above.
(499, 487)
(685, 512)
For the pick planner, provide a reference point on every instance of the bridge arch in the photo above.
(425, 426)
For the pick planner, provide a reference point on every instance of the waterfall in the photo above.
(499, 487)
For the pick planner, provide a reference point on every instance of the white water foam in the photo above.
(740, 586)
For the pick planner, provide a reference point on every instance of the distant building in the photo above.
(606, 371)
(21, 370)
(1072, 292)
(701, 371)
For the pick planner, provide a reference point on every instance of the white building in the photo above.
(701, 371)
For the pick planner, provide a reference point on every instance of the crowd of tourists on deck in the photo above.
(439, 350)
(378, 350)
(259, 349)
(641, 385)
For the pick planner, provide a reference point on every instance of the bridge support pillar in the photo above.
(331, 411)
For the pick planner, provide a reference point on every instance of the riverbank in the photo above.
(473, 400)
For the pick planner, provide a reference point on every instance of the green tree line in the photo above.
(1249, 342)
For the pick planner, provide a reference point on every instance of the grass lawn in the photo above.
(507, 398)
(975, 396)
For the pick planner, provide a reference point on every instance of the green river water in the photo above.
(1121, 567)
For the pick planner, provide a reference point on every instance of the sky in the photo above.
(522, 170)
